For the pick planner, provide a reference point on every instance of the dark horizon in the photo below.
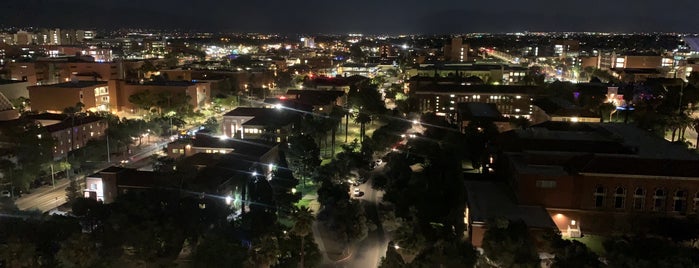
(363, 16)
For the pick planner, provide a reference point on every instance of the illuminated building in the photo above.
(456, 51)
(94, 95)
(599, 178)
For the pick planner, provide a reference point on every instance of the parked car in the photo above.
(5, 193)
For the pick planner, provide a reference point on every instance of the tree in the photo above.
(570, 253)
(509, 244)
(143, 100)
(606, 109)
(212, 124)
(304, 156)
(73, 191)
(78, 251)
(18, 253)
(392, 259)
(335, 120)
(217, 249)
(648, 252)
(263, 253)
(356, 53)
(410, 241)
(362, 119)
(447, 253)
(303, 221)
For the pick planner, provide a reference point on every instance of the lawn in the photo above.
(352, 134)
(593, 242)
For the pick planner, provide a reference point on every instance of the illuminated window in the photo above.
(599, 196)
(659, 200)
(680, 201)
(174, 151)
(639, 199)
(181, 151)
(619, 197)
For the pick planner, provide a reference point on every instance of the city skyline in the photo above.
(386, 17)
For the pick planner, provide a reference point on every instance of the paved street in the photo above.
(45, 198)
(48, 197)
(368, 252)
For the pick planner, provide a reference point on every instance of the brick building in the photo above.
(198, 92)
(94, 95)
(70, 133)
(599, 178)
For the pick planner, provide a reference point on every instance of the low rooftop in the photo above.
(488, 200)
(75, 84)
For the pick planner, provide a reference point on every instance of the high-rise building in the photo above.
(566, 48)
(308, 42)
(23, 38)
(55, 36)
(456, 51)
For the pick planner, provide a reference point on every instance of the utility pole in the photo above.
(53, 180)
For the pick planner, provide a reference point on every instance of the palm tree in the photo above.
(362, 119)
(336, 116)
(303, 222)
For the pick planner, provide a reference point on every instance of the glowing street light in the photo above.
(229, 199)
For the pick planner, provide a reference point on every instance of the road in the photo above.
(49, 197)
(368, 252)
(45, 198)
(142, 160)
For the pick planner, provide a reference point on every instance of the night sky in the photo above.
(367, 16)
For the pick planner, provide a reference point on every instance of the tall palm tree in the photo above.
(362, 119)
(336, 116)
(303, 222)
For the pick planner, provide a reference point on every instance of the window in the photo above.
(639, 199)
(181, 151)
(599, 197)
(545, 184)
(696, 202)
(659, 200)
(93, 186)
(174, 151)
(619, 197)
(679, 201)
